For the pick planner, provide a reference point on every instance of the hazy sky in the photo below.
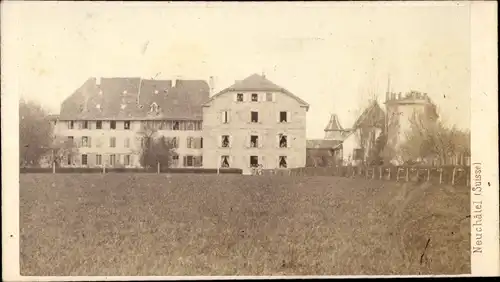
(333, 55)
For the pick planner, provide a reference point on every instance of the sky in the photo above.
(335, 56)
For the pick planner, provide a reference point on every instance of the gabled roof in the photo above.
(373, 116)
(334, 124)
(257, 82)
(131, 98)
(322, 144)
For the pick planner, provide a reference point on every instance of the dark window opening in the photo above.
(175, 160)
(254, 141)
(189, 161)
(283, 117)
(113, 124)
(201, 143)
(71, 139)
(225, 141)
(71, 124)
(70, 159)
(84, 159)
(225, 117)
(112, 160)
(283, 163)
(254, 161)
(174, 142)
(126, 125)
(283, 141)
(126, 161)
(224, 161)
(239, 97)
(358, 154)
(176, 125)
(98, 124)
(85, 124)
(98, 160)
(255, 97)
(254, 117)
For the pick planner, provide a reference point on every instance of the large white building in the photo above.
(253, 122)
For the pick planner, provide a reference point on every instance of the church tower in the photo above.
(334, 130)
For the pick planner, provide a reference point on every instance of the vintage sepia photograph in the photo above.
(246, 139)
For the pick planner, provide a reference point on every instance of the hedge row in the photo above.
(131, 170)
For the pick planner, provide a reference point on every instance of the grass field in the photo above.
(149, 224)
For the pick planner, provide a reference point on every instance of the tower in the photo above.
(334, 130)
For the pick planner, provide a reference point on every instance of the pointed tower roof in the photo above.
(334, 124)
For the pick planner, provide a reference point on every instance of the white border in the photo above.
(484, 148)
(484, 137)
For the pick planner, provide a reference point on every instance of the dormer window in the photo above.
(154, 107)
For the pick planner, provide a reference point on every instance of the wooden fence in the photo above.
(454, 175)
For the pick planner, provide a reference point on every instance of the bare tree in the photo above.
(370, 132)
(429, 139)
(155, 149)
(62, 149)
(35, 133)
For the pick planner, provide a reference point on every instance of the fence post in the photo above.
(440, 175)
(389, 175)
(380, 173)
(453, 176)
(428, 174)
(103, 168)
(158, 167)
(418, 174)
(373, 173)
(407, 174)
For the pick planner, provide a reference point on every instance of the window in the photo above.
(190, 126)
(358, 154)
(85, 124)
(175, 160)
(269, 97)
(254, 141)
(189, 142)
(113, 124)
(126, 125)
(254, 161)
(176, 125)
(112, 142)
(126, 160)
(283, 141)
(198, 161)
(239, 97)
(225, 141)
(71, 124)
(254, 117)
(86, 141)
(201, 142)
(98, 159)
(98, 124)
(126, 142)
(188, 161)
(224, 161)
(255, 97)
(283, 163)
(175, 143)
(70, 159)
(283, 117)
(71, 139)
(84, 159)
(225, 116)
(112, 160)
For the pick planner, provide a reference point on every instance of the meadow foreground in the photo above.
(151, 224)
